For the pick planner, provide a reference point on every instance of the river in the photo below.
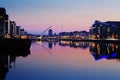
(67, 60)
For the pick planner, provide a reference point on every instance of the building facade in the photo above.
(12, 29)
(105, 30)
(50, 32)
(2, 22)
(9, 29)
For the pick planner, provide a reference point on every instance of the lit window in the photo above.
(1, 16)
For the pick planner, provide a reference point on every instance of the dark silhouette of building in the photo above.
(105, 30)
(18, 31)
(76, 35)
(2, 22)
(50, 32)
(9, 29)
(12, 29)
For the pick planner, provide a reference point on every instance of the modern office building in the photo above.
(50, 32)
(22, 32)
(2, 22)
(17, 34)
(12, 29)
(7, 27)
(105, 30)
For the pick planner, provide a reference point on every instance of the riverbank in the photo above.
(15, 44)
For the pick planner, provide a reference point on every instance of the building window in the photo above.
(1, 16)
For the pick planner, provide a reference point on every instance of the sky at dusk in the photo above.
(64, 15)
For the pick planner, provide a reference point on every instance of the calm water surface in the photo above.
(67, 61)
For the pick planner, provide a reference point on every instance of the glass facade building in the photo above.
(105, 30)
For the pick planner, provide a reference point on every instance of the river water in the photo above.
(67, 60)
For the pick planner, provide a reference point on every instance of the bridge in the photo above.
(40, 38)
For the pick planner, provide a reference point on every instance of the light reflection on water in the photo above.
(68, 60)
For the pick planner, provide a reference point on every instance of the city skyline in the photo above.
(63, 15)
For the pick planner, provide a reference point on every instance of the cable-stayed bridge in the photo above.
(40, 38)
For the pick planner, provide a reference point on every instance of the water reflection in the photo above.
(66, 60)
(98, 50)
(74, 44)
(50, 45)
(7, 57)
(105, 50)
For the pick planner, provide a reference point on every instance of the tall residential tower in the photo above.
(2, 22)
